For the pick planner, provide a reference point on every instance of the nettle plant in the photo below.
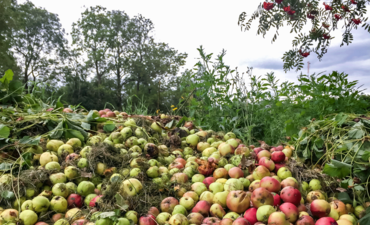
(325, 17)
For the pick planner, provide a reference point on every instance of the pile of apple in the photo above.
(222, 190)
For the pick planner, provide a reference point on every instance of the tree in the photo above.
(38, 42)
(347, 14)
(120, 32)
(90, 34)
(7, 26)
(151, 62)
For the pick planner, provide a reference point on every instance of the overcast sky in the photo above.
(185, 25)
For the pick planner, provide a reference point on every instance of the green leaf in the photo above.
(92, 116)
(344, 197)
(366, 219)
(85, 126)
(291, 129)
(170, 124)
(57, 132)
(356, 132)
(76, 126)
(5, 166)
(4, 131)
(74, 134)
(59, 105)
(278, 104)
(8, 195)
(8, 76)
(26, 140)
(340, 118)
(182, 121)
(337, 169)
(106, 215)
(306, 153)
(27, 157)
(109, 126)
(319, 143)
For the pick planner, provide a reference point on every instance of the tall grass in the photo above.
(137, 107)
(262, 107)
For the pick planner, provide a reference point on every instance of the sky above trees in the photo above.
(187, 25)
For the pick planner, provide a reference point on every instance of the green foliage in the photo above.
(38, 41)
(323, 24)
(366, 219)
(266, 109)
(7, 25)
(10, 89)
(337, 169)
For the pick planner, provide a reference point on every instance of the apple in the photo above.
(187, 202)
(216, 187)
(168, 204)
(207, 196)
(238, 201)
(220, 173)
(216, 210)
(208, 181)
(195, 218)
(202, 207)
(220, 198)
(192, 195)
(236, 172)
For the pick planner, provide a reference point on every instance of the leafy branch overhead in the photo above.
(324, 19)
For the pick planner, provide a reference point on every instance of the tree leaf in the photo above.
(74, 134)
(340, 118)
(106, 215)
(26, 140)
(344, 197)
(5, 166)
(356, 131)
(85, 126)
(4, 131)
(92, 116)
(337, 169)
(8, 195)
(59, 105)
(109, 126)
(366, 219)
(8, 76)
(57, 132)
(170, 124)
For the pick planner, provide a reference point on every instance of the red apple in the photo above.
(236, 172)
(208, 181)
(278, 157)
(202, 207)
(168, 204)
(147, 220)
(180, 160)
(153, 211)
(271, 184)
(267, 162)
(251, 215)
(175, 165)
(241, 221)
(226, 221)
(75, 200)
(263, 153)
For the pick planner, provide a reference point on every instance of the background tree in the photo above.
(90, 34)
(38, 42)
(7, 26)
(120, 31)
(324, 18)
